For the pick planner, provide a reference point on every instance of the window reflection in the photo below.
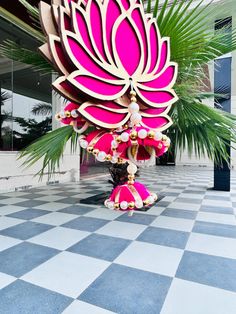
(25, 109)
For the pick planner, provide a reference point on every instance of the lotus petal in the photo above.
(81, 28)
(97, 87)
(82, 58)
(108, 115)
(160, 123)
(127, 45)
(164, 55)
(154, 39)
(139, 19)
(59, 58)
(44, 50)
(93, 8)
(149, 112)
(64, 19)
(126, 4)
(46, 20)
(66, 90)
(113, 11)
(164, 79)
(157, 98)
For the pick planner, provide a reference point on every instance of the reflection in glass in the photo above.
(25, 107)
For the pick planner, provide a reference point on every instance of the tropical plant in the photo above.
(4, 116)
(201, 129)
(42, 109)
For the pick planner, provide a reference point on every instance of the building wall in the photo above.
(13, 176)
(25, 90)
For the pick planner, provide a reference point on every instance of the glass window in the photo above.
(25, 106)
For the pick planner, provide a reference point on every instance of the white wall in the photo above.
(13, 176)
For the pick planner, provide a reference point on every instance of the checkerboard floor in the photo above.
(60, 256)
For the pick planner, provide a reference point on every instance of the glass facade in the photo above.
(25, 103)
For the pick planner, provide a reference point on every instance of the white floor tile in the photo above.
(50, 198)
(9, 209)
(59, 238)
(15, 194)
(7, 242)
(155, 210)
(67, 273)
(5, 280)
(168, 199)
(84, 308)
(48, 192)
(178, 205)
(173, 223)
(55, 219)
(217, 203)
(212, 245)
(216, 218)
(54, 206)
(191, 196)
(122, 230)
(12, 200)
(104, 213)
(185, 297)
(6, 222)
(151, 257)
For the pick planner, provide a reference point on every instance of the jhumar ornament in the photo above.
(115, 71)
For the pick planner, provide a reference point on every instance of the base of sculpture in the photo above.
(129, 197)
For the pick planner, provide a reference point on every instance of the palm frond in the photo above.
(42, 109)
(33, 13)
(203, 130)
(13, 51)
(49, 149)
(191, 40)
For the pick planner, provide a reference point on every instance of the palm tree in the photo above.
(202, 130)
(4, 115)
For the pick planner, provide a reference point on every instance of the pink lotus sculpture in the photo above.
(116, 69)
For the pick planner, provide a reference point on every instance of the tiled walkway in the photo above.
(57, 256)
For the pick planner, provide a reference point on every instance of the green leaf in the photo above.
(13, 51)
(49, 149)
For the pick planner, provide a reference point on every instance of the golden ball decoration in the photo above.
(57, 116)
(108, 157)
(90, 149)
(133, 135)
(131, 205)
(116, 205)
(95, 151)
(118, 139)
(133, 99)
(151, 134)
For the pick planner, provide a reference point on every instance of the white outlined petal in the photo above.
(62, 87)
(97, 87)
(103, 115)
(127, 46)
(156, 98)
(45, 14)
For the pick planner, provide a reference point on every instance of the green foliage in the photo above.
(33, 12)
(13, 51)
(202, 130)
(49, 149)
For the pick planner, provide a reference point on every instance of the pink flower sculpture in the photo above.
(104, 49)
(115, 69)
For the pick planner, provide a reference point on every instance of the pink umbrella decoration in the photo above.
(115, 69)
